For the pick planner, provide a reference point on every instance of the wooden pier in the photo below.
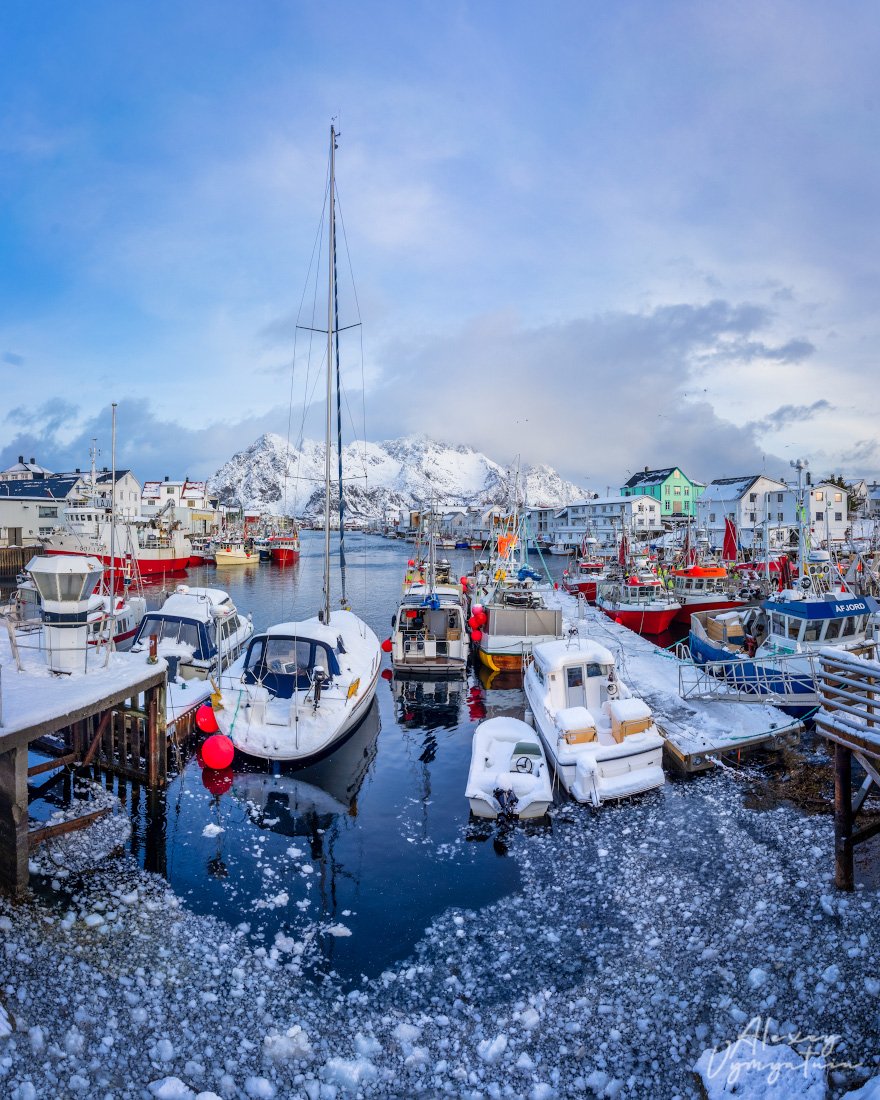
(850, 719)
(13, 559)
(113, 717)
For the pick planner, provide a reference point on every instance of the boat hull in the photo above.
(147, 565)
(642, 621)
(284, 555)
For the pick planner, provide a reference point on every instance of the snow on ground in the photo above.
(642, 936)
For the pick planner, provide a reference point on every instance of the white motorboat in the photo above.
(509, 776)
(199, 627)
(430, 625)
(303, 687)
(601, 740)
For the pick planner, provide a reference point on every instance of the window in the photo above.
(838, 517)
(687, 491)
(677, 491)
(779, 516)
(752, 498)
(45, 512)
(838, 497)
(818, 495)
(711, 517)
(169, 492)
(666, 490)
(751, 517)
(779, 500)
(820, 515)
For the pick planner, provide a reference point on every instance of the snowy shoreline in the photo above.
(642, 936)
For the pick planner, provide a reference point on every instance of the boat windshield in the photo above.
(285, 664)
(175, 630)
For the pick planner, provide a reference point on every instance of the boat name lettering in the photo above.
(857, 605)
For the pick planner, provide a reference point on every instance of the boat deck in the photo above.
(695, 731)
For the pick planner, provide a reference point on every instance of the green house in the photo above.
(676, 493)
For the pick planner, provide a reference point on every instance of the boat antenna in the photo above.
(800, 465)
(329, 425)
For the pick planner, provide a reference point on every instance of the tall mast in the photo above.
(331, 252)
(342, 598)
(113, 527)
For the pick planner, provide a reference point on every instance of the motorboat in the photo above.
(600, 738)
(430, 625)
(640, 603)
(198, 629)
(508, 776)
(284, 549)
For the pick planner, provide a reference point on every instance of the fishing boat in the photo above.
(234, 552)
(200, 550)
(430, 624)
(284, 549)
(772, 649)
(199, 629)
(706, 587)
(508, 776)
(303, 687)
(640, 604)
(583, 577)
(509, 613)
(600, 738)
(133, 546)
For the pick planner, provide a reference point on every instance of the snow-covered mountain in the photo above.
(379, 478)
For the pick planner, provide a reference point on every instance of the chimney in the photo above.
(78, 470)
(166, 477)
(21, 459)
(33, 462)
(646, 470)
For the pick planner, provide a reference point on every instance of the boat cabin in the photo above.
(284, 663)
(809, 624)
(577, 674)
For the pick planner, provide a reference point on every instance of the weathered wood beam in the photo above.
(45, 832)
(843, 819)
(50, 765)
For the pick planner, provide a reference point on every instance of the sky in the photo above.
(598, 236)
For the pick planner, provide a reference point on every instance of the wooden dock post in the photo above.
(843, 819)
(850, 719)
(14, 848)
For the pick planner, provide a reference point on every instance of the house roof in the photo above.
(651, 477)
(733, 488)
(56, 487)
(22, 467)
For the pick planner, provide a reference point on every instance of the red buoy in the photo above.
(205, 719)
(217, 782)
(387, 646)
(387, 674)
(476, 635)
(217, 752)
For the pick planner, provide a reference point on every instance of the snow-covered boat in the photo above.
(200, 627)
(430, 628)
(303, 687)
(124, 612)
(509, 776)
(601, 740)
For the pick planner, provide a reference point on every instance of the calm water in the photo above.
(376, 839)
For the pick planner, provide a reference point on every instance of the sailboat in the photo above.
(302, 688)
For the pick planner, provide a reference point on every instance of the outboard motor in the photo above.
(507, 801)
(319, 678)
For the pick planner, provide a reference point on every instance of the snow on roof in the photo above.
(730, 488)
(628, 500)
(651, 477)
(558, 654)
(194, 603)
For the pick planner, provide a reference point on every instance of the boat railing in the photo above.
(789, 681)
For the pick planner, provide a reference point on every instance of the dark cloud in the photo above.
(790, 414)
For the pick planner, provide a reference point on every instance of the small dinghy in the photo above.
(509, 776)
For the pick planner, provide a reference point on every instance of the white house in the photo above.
(749, 501)
(640, 515)
(187, 502)
(31, 509)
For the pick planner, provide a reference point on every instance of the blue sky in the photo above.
(599, 236)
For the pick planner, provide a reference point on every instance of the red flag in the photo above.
(728, 552)
(623, 550)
